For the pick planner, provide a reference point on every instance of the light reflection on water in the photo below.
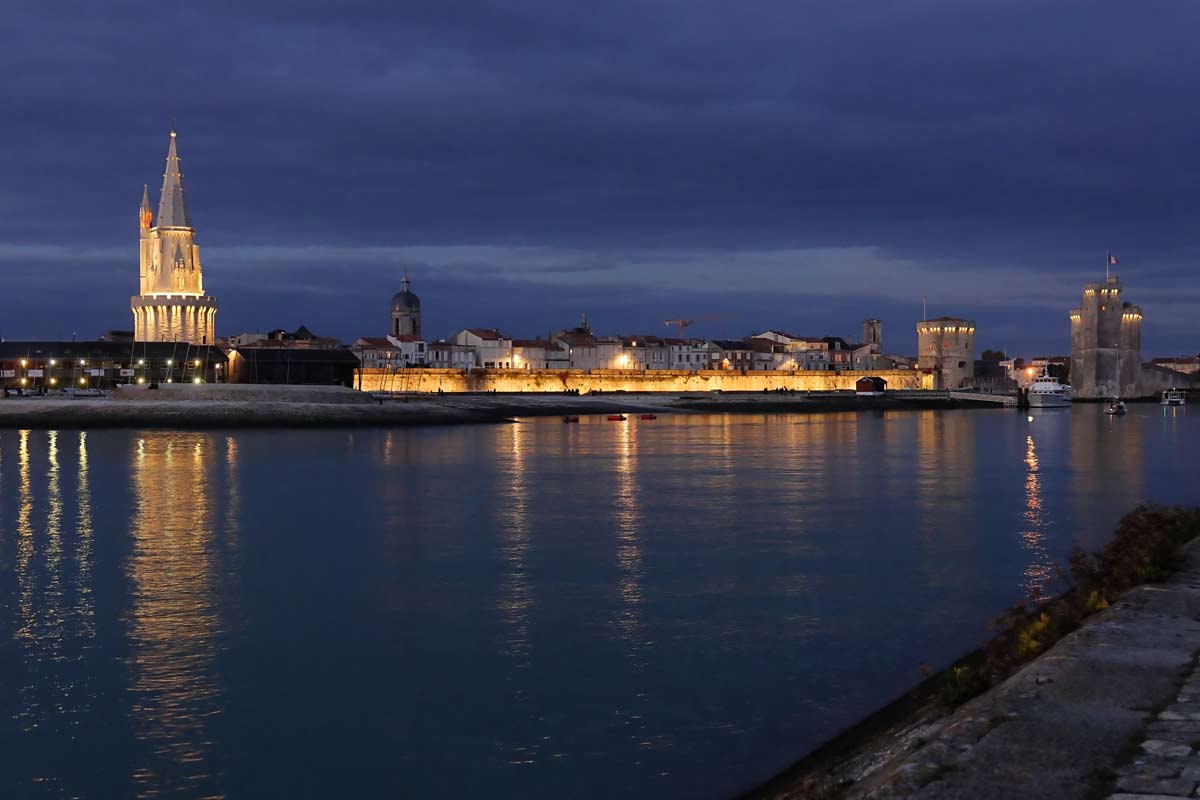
(672, 608)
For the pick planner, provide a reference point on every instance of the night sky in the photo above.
(776, 164)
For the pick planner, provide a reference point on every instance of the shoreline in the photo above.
(1067, 723)
(332, 407)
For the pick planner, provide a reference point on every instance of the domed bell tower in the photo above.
(406, 311)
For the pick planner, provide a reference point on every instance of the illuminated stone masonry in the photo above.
(171, 305)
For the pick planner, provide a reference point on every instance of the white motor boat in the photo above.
(1047, 392)
(1174, 397)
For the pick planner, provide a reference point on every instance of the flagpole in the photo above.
(1107, 262)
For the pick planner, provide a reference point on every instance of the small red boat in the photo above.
(616, 417)
(648, 416)
(570, 419)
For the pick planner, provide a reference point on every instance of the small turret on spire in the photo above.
(145, 215)
(404, 282)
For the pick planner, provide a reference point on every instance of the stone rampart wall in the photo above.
(477, 380)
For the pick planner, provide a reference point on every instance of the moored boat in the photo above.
(1048, 392)
(648, 416)
(569, 418)
(1116, 407)
(616, 417)
(1174, 397)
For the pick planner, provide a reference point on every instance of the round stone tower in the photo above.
(406, 311)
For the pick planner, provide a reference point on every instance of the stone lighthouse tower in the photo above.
(171, 305)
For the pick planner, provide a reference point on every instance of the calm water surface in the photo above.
(674, 608)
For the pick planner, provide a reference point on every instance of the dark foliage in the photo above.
(1145, 548)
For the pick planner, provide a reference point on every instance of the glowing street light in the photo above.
(23, 362)
(141, 362)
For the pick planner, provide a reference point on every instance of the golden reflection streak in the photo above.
(25, 578)
(84, 545)
(174, 623)
(1038, 573)
(517, 595)
(628, 518)
(51, 634)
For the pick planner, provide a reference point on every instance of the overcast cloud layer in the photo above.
(775, 164)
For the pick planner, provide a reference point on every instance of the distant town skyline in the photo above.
(797, 167)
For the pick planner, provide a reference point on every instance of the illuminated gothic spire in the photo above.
(172, 210)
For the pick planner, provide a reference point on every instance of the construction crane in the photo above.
(684, 323)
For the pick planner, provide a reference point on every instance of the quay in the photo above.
(252, 405)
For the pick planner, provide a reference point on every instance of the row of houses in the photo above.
(581, 349)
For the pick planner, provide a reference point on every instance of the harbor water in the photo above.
(669, 608)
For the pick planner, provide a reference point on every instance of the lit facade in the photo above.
(1106, 343)
(171, 305)
(947, 351)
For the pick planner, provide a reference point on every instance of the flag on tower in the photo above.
(1113, 259)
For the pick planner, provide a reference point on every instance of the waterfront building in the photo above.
(691, 355)
(731, 355)
(646, 352)
(406, 311)
(840, 353)
(1106, 343)
(531, 354)
(946, 352)
(448, 355)
(805, 352)
(293, 365)
(493, 350)
(101, 364)
(171, 305)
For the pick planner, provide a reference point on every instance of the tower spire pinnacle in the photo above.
(172, 209)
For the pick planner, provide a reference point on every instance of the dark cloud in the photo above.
(809, 163)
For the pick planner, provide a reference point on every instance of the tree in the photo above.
(993, 355)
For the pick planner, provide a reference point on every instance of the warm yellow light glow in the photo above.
(23, 362)
(53, 381)
(1029, 372)
(169, 380)
(195, 380)
(83, 381)
(141, 380)
(23, 381)
(141, 361)
(169, 362)
(53, 362)
(82, 362)
(196, 363)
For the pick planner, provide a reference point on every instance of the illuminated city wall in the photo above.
(453, 380)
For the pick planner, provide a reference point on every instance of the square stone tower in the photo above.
(1106, 343)
(946, 352)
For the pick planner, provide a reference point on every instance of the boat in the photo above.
(570, 419)
(648, 416)
(616, 417)
(1174, 397)
(1047, 392)
(1116, 407)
